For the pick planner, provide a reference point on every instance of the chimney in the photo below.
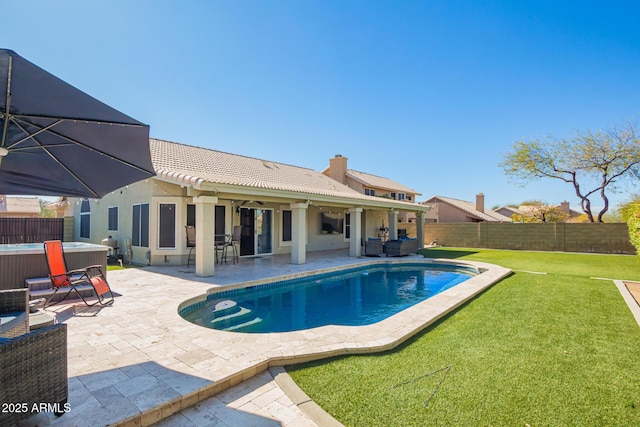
(564, 208)
(480, 202)
(338, 168)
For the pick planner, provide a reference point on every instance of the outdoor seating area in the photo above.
(401, 247)
(223, 243)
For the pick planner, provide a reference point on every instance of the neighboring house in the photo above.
(282, 209)
(454, 210)
(536, 210)
(563, 207)
(60, 208)
(371, 185)
(19, 207)
(508, 211)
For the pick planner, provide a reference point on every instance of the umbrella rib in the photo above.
(70, 172)
(72, 141)
(31, 136)
(55, 159)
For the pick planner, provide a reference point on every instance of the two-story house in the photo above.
(372, 185)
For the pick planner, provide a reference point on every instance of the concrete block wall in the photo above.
(566, 237)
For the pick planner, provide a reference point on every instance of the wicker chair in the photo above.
(14, 312)
(373, 247)
(33, 371)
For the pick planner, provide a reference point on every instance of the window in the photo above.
(393, 195)
(401, 196)
(369, 192)
(191, 215)
(220, 220)
(167, 225)
(113, 218)
(286, 226)
(140, 228)
(347, 226)
(85, 219)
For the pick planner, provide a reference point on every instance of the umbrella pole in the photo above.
(6, 115)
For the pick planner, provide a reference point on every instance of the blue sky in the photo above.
(429, 93)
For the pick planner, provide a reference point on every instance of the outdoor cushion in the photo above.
(9, 321)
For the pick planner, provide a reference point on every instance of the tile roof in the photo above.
(470, 208)
(195, 165)
(380, 182)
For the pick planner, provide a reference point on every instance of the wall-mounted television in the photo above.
(331, 223)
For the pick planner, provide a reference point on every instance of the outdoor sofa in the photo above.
(401, 247)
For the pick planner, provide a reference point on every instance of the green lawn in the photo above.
(560, 349)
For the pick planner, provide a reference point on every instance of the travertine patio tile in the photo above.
(100, 380)
(153, 396)
(137, 385)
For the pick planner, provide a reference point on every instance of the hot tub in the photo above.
(19, 262)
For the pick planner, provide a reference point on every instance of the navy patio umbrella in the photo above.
(56, 140)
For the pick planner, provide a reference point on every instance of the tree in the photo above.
(592, 162)
(539, 213)
(44, 211)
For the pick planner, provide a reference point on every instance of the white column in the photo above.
(298, 232)
(420, 229)
(205, 235)
(393, 224)
(355, 249)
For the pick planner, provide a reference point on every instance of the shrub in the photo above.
(631, 214)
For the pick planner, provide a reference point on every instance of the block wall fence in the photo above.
(611, 238)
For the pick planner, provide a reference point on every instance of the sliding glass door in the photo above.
(257, 231)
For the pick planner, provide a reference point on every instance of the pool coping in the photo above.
(325, 341)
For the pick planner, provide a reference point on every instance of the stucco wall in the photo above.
(157, 192)
(124, 199)
(448, 213)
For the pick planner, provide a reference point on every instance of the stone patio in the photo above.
(138, 362)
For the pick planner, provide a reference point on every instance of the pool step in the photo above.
(227, 315)
(242, 325)
(224, 308)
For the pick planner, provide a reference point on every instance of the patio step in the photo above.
(40, 287)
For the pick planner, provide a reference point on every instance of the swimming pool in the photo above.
(353, 297)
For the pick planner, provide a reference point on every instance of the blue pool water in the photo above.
(354, 297)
